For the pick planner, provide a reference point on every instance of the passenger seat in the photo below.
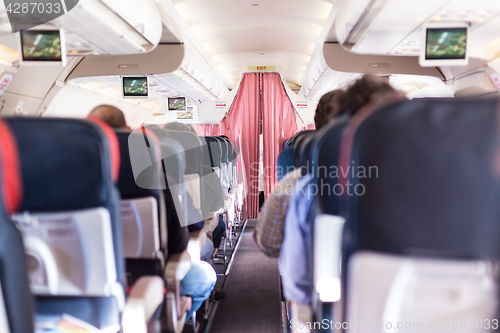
(71, 224)
(16, 304)
(421, 242)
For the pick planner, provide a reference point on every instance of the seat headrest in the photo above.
(305, 152)
(224, 150)
(67, 164)
(324, 158)
(140, 172)
(10, 169)
(300, 140)
(174, 160)
(212, 151)
(427, 171)
(192, 150)
(293, 139)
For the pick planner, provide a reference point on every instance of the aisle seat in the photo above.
(71, 223)
(421, 242)
(193, 181)
(16, 303)
(142, 184)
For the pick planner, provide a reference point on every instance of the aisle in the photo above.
(252, 302)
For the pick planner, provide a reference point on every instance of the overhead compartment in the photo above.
(96, 27)
(342, 60)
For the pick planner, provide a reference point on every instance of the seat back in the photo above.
(324, 166)
(16, 305)
(419, 239)
(229, 161)
(71, 222)
(302, 139)
(212, 153)
(174, 163)
(293, 139)
(305, 153)
(193, 151)
(224, 164)
(141, 185)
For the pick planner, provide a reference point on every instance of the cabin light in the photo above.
(74, 51)
(158, 114)
(381, 65)
(128, 66)
(437, 19)
(479, 19)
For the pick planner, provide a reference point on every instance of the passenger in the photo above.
(111, 115)
(362, 98)
(270, 227)
(200, 280)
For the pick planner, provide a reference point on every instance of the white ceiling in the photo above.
(232, 35)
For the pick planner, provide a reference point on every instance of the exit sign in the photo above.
(261, 68)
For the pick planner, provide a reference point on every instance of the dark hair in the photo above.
(111, 115)
(367, 88)
(328, 107)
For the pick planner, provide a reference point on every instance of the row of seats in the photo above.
(405, 216)
(86, 198)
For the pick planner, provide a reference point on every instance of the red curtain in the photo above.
(279, 123)
(241, 125)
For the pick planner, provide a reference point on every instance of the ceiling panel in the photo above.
(238, 34)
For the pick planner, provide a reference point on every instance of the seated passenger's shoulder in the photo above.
(270, 227)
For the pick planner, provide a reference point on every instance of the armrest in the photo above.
(209, 223)
(196, 242)
(328, 231)
(301, 313)
(178, 265)
(143, 301)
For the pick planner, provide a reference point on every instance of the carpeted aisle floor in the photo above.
(252, 302)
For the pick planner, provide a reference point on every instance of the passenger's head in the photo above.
(111, 115)
(369, 89)
(328, 108)
(176, 126)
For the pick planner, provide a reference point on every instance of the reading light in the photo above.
(381, 65)
(437, 19)
(479, 19)
(128, 66)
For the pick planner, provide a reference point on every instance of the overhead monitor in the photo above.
(444, 44)
(177, 103)
(135, 87)
(42, 47)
